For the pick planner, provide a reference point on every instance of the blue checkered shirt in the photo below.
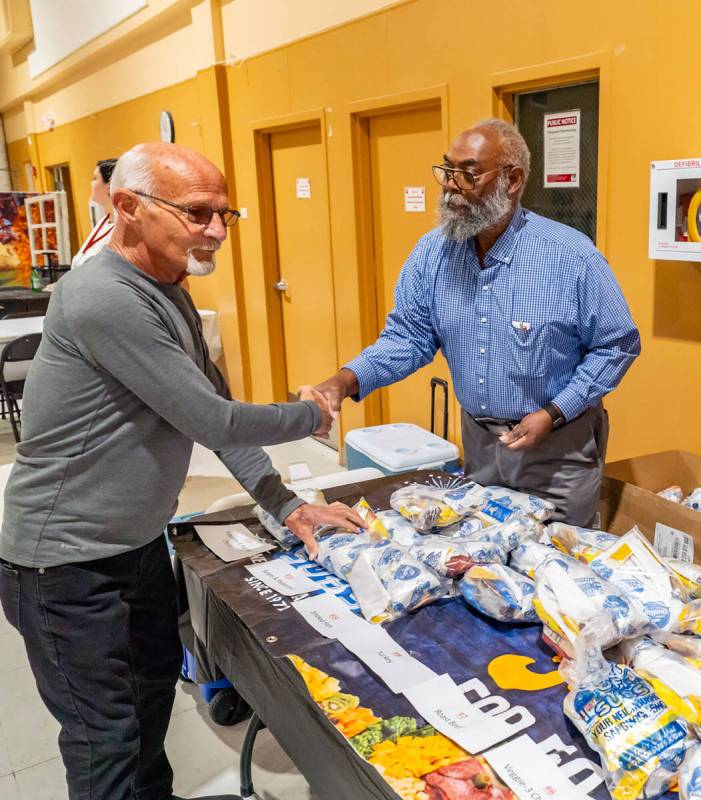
(544, 321)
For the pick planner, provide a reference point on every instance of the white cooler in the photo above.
(399, 447)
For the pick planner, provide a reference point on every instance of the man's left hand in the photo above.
(305, 519)
(530, 431)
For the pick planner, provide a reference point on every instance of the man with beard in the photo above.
(530, 318)
(120, 388)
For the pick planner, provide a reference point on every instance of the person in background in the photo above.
(530, 318)
(100, 194)
(120, 388)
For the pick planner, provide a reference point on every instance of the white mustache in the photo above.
(454, 199)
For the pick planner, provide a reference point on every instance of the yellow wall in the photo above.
(17, 155)
(648, 82)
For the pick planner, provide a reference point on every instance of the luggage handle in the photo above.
(444, 385)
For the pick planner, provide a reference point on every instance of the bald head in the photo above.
(498, 143)
(162, 169)
(171, 210)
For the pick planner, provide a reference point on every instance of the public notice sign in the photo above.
(561, 149)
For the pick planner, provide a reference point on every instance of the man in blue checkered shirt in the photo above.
(530, 318)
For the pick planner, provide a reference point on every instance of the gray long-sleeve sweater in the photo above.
(120, 388)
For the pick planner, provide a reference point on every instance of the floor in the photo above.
(204, 755)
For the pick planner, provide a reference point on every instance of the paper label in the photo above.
(304, 188)
(561, 133)
(441, 703)
(282, 577)
(530, 773)
(232, 542)
(328, 615)
(414, 198)
(672, 543)
(380, 653)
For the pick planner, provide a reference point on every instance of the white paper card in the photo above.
(561, 134)
(378, 651)
(673, 543)
(304, 188)
(415, 198)
(369, 593)
(530, 773)
(441, 703)
(328, 615)
(232, 542)
(280, 575)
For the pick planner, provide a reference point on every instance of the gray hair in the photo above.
(513, 145)
(133, 171)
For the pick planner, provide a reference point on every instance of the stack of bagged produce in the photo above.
(625, 621)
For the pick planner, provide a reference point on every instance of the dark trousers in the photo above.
(565, 468)
(102, 641)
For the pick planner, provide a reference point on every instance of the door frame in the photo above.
(262, 131)
(360, 113)
(553, 75)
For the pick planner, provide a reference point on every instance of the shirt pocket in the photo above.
(529, 348)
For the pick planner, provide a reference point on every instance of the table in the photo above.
(210, 332)
(21, 299)
(249, 634)
(12, 329)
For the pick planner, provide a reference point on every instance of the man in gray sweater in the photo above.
(121, 387)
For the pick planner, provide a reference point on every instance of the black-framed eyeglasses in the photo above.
(463, 178)
(200, 215)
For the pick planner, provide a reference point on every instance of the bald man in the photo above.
(530, 318)
(121, 387)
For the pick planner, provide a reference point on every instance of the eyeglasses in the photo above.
(463, 179)
(200, 215)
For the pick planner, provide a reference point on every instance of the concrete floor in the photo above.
(204, 755)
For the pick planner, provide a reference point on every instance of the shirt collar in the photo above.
(503, 249)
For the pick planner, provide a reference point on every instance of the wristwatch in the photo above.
(556, 415)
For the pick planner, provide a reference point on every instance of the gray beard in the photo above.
(461, 219)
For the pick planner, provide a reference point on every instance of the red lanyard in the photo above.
(94, 238)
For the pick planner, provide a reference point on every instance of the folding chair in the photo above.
(23, 348)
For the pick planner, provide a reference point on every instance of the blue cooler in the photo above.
(399, 447)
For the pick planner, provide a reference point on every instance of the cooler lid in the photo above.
(401, 446)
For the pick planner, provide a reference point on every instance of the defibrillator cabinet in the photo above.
(675, 210)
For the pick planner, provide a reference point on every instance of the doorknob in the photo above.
(281, 285)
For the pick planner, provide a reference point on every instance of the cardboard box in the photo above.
(628, 494)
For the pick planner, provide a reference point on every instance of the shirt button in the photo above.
(483, 319)
(481, 380)
(482, 350)
(485, 288)
(483, 407)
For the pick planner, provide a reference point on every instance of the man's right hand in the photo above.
(310, 393)
(336, 388)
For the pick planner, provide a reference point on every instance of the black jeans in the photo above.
(102, 641)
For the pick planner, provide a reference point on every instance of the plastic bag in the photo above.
(283, 535)
(674, 678)
(450, 557)
(388, 582)
(464, 499)
(690, 775)
(640, 739)
(373, 524)
(424, 507)
(687, 646)
(509, 535)
(693, 499)
(633, 565)
(569, 593)
(688, 574)
(528, 556)
(499, 592)
(672, 493)
(502, 503)
(584, 544)
(337, 552)
(399, 528)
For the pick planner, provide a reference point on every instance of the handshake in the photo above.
(328, 397)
